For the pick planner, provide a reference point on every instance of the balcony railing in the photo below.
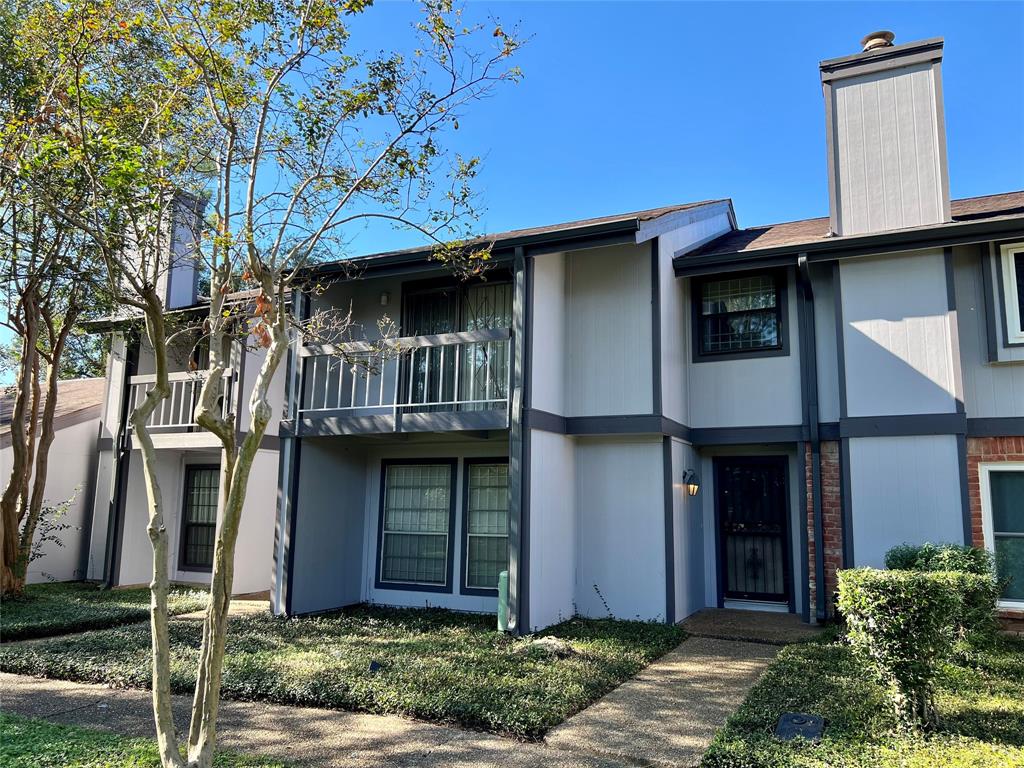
(178, 410)
(466, 371)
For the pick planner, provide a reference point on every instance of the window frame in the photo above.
(1009, 293)
(780, 277)
(411, 586)
(464, 587)
(988, 529)
(191, 469)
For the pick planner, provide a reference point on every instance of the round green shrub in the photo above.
(976, 619)
(900, 626)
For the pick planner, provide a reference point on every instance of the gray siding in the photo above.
(888, 144)
(756, 391)
(991, 390)
(903, 489)
(329, 527)
(825, 342)
(897, 335)
(688, 528)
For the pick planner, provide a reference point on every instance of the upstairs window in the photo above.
(1013, 290)
(739, 315)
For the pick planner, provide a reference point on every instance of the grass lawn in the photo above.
(980, 700)
(59, 608)
(434, 665)
(29, 743)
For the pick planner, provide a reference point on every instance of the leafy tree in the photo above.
(264, 109)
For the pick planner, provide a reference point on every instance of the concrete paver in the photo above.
(670, 712)
(297, 734)
(750, 626)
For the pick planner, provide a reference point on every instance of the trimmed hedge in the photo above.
(901, 624)
(976, 619)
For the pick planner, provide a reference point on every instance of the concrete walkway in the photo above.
(666, 716)
(670, 712)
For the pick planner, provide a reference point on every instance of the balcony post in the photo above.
(519, 449)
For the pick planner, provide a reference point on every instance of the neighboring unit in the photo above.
(61, 535)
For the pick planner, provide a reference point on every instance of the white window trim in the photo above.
(984, 470)
(1011, 292)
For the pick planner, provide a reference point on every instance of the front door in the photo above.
(753, 532)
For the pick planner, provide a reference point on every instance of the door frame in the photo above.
(787, 536)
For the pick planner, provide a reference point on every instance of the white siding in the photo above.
(755, 391)
(903, 489)
(888, 149)
(253, 554)
(69, 476)
(608, 331)
(621, 527)
(548, 364)
(552, 529)
(990, 390)
(897, 335)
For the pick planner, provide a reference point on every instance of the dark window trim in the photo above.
(404, 586)
(464, 588)
(498, 276)
(787, 537)
(996, 256)
(781, 278)
(191, 469)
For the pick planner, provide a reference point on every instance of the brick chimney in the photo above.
(886, 136)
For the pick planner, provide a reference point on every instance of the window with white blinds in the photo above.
(486, 523)
(415, 526)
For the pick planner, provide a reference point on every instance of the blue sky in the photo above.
(631, 105)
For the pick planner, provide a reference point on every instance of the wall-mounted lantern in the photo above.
(692, 481)
(385, 298)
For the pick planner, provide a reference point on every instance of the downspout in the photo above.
(122, 448)
(808, 334)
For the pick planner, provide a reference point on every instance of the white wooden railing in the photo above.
(178, 410)
(450, 371)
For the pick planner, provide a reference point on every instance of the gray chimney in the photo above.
(886, 136)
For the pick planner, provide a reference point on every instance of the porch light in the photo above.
(692, 480)
(385, 298)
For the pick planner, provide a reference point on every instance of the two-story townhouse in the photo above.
(651, 413)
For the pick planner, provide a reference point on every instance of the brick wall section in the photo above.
(985, 450)
(831, 518)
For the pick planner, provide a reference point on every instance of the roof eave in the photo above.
(953, 233)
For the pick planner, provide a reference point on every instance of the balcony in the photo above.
(177, 412)
(444, 382)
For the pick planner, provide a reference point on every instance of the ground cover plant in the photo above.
(430, 664)
(979, 696)
(60, 608)
(31, 743)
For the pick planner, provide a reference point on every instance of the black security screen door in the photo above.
(753, 536)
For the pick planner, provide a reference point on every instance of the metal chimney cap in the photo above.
(880, 39)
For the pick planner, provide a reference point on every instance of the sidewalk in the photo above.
(666, 716)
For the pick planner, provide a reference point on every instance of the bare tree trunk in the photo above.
(163, 715)
(9, 502)
(235, 475)
(58, 339)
